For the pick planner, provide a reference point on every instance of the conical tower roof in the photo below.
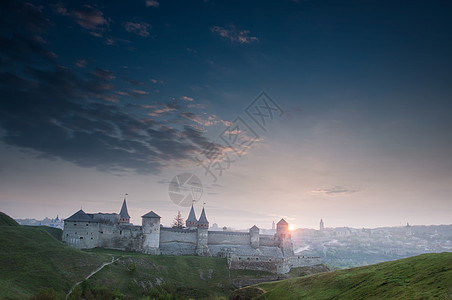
(191, 216)
(151, 214)
(203, 218)
(124, 214)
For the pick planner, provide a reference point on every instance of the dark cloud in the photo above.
(29, 16)
(47, 108)
(25, 49)
(47, 113)
(22, 25)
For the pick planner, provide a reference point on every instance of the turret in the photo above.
(202, 222)
(151, 231)
(202, 235)
(124, 214)
(322, 226)
(254, 237)
(191, 221)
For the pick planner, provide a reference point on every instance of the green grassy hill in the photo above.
(6, 220)
(426, 276)
(31, 259)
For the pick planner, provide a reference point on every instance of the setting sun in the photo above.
(291, 227)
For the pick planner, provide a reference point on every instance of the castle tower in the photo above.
(254, 237)
(124, 217)
(322, 226)
(191, 221)
(151, 231)
(282, 227)
(283, 237)
(203, 227)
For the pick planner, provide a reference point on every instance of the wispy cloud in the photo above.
(81, 63)
(87, 16)
(234, 35)
(92, 19)
(156, 81)
(334, 191)
(152, 3)
(141, 28)
(103, 74)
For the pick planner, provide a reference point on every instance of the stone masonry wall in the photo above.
(228, 238)
(267, 240)
(121, 237)
(177, 241)
(81, 235)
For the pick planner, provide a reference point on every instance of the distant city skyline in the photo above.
(99, 100)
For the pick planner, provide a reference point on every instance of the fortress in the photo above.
(243, 250)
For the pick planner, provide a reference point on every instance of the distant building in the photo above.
(243, 250)
(322, 226)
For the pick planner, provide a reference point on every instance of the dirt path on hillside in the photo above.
(91, 274)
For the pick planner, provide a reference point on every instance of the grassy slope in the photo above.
(193, 277)
(197, 276)
(32, 259)
(6, 220)
(421, 277)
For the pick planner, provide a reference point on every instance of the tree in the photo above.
(178, 221)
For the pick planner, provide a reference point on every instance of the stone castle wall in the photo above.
(228, 238)
(270, 263)
(81, 235)
(267, 240)
(121, 237)
(175, 241)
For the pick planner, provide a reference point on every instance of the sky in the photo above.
(301, 110)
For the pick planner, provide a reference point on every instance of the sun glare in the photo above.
(291, 227)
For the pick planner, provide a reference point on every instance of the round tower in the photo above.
(151, 232)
